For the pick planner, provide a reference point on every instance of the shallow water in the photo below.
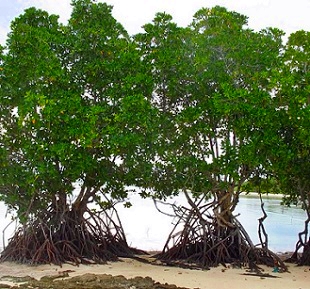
(148, 229)
(282, 223)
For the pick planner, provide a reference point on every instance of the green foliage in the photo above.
(203, 108)
(291, 157)
(73, 109)
(212, 86)
(263, 185)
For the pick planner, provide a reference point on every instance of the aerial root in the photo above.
(97, 238)
(199, 241)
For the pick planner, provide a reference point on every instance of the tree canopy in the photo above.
(290, 156)
(214, 95)
(73, 113)
(88, 112)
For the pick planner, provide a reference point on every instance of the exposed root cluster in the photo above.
(301, 258)
(301, 255)
(305, 257)
(69, 237)
(199, 239)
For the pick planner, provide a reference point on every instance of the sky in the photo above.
(288, 16)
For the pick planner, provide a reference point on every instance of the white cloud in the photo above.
(58, 7)
(286, 15)
(3, 33)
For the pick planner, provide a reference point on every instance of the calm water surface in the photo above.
(282, 224)
(147, 229)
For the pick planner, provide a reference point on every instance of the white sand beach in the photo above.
(215, 278)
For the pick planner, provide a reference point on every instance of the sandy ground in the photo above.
(216, 278)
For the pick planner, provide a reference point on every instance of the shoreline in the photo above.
(215, 278)
(264, 195)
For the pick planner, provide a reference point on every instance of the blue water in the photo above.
(282, 223)
(148, 229)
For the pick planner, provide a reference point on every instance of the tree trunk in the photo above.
(224, 212)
